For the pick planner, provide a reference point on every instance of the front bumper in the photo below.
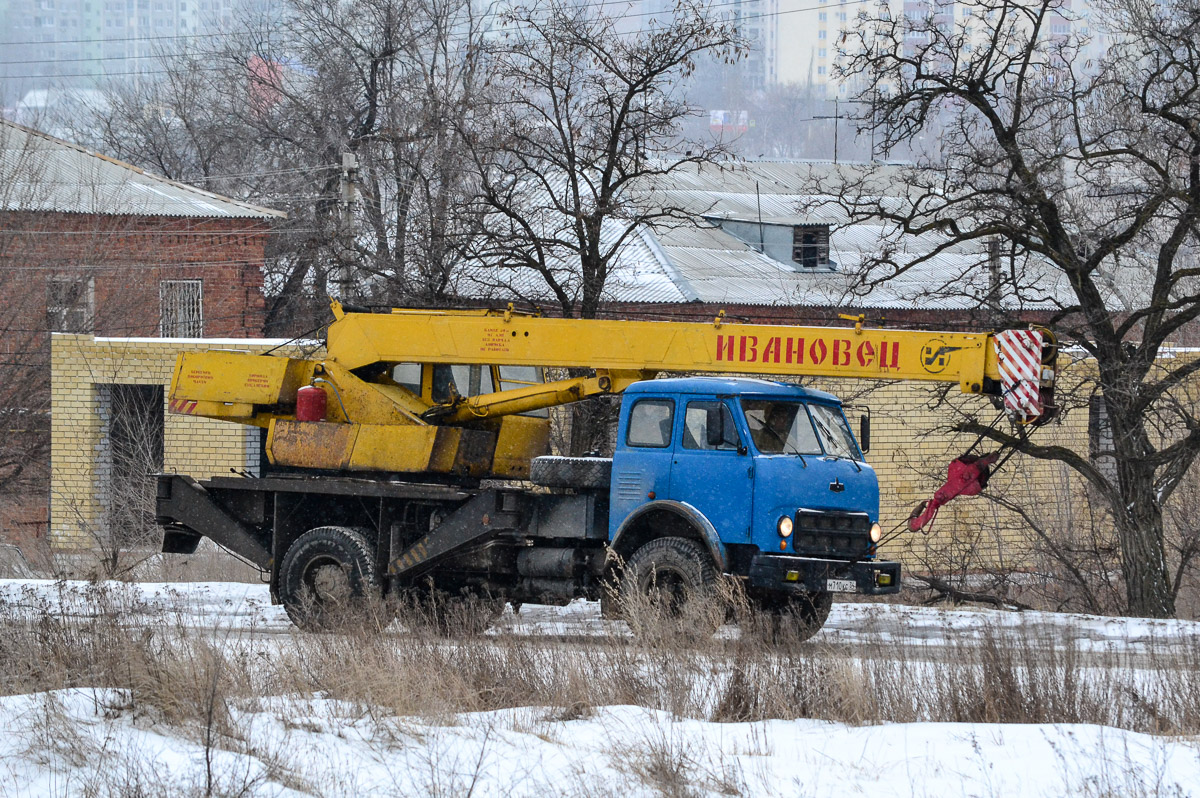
(790, 574)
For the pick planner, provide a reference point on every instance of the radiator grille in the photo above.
(831, 534)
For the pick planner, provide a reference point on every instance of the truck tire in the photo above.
(571, 472)
(790, 619)
(327, 578)
(673, 580)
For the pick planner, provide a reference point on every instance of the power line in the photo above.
(228, 175)
(74, 268)
(142, 233)
(108, 330)
(174, 37)
(118, 39)
(195, 68)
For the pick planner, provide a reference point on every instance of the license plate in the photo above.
(841, 585)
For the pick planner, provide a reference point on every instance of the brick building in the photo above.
(90, 245)
(94, 491)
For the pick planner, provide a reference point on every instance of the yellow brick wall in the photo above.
(79, 365)
(913, 442)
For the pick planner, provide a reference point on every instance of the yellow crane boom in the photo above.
(378, 422)
(357, 339)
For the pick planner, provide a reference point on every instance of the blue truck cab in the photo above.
(766, 475)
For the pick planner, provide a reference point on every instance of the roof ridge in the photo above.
(138, 170)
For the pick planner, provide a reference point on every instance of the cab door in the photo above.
(711, 468)
(641, 470)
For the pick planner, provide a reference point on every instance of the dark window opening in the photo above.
(134, 444)
(1100, 438)
(810, 245)
(69, 304)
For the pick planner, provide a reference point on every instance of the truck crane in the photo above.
(412, 458)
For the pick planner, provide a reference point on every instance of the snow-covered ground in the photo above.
(56, 743)
(95, 741)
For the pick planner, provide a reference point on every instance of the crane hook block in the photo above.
(966, 476)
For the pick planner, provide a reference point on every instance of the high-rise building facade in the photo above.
(807, 34)
(51, 45)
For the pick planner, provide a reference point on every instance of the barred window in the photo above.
(181, 309)
(69, 303)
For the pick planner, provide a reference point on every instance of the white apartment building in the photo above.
(812, 31)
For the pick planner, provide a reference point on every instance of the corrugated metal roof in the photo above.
(701, 262)
(716, 266)
(41, 173)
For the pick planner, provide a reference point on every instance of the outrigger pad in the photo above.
(175, 542)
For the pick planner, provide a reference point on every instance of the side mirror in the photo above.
(864, 433)
(714, 427)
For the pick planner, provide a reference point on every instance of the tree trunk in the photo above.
(591, 422)
(1143, 555)
(1138, 519)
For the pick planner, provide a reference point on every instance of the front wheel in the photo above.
(670, 583)
(789, 619)
(327, 575)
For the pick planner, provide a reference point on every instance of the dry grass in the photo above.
(190, 679)
(1009, 678)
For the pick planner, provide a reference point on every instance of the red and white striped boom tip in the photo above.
(1019, 355)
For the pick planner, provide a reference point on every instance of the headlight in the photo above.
(785, 526)
(876, 533)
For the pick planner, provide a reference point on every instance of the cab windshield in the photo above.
(780, 427)
(835, 435)
(797, 428)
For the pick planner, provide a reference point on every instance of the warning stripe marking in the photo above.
(1019, 354)
(182, 406)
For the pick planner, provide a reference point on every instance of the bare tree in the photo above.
(1088, 172)
(268, 113)
(587, 115)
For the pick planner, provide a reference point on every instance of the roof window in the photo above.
(810, 245)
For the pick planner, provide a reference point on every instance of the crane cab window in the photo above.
(513, 377)
(408, 375)
(650, 423)
(780, 427)
(460, 380)
(709, 426)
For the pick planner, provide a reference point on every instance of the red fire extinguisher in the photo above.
(310, 404)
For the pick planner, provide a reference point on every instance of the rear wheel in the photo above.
(328, 578)
(671, 580)
(790, 619)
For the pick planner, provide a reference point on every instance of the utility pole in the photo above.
(349, 198)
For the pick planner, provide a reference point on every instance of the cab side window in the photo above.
(709, 426)
(650, 423)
